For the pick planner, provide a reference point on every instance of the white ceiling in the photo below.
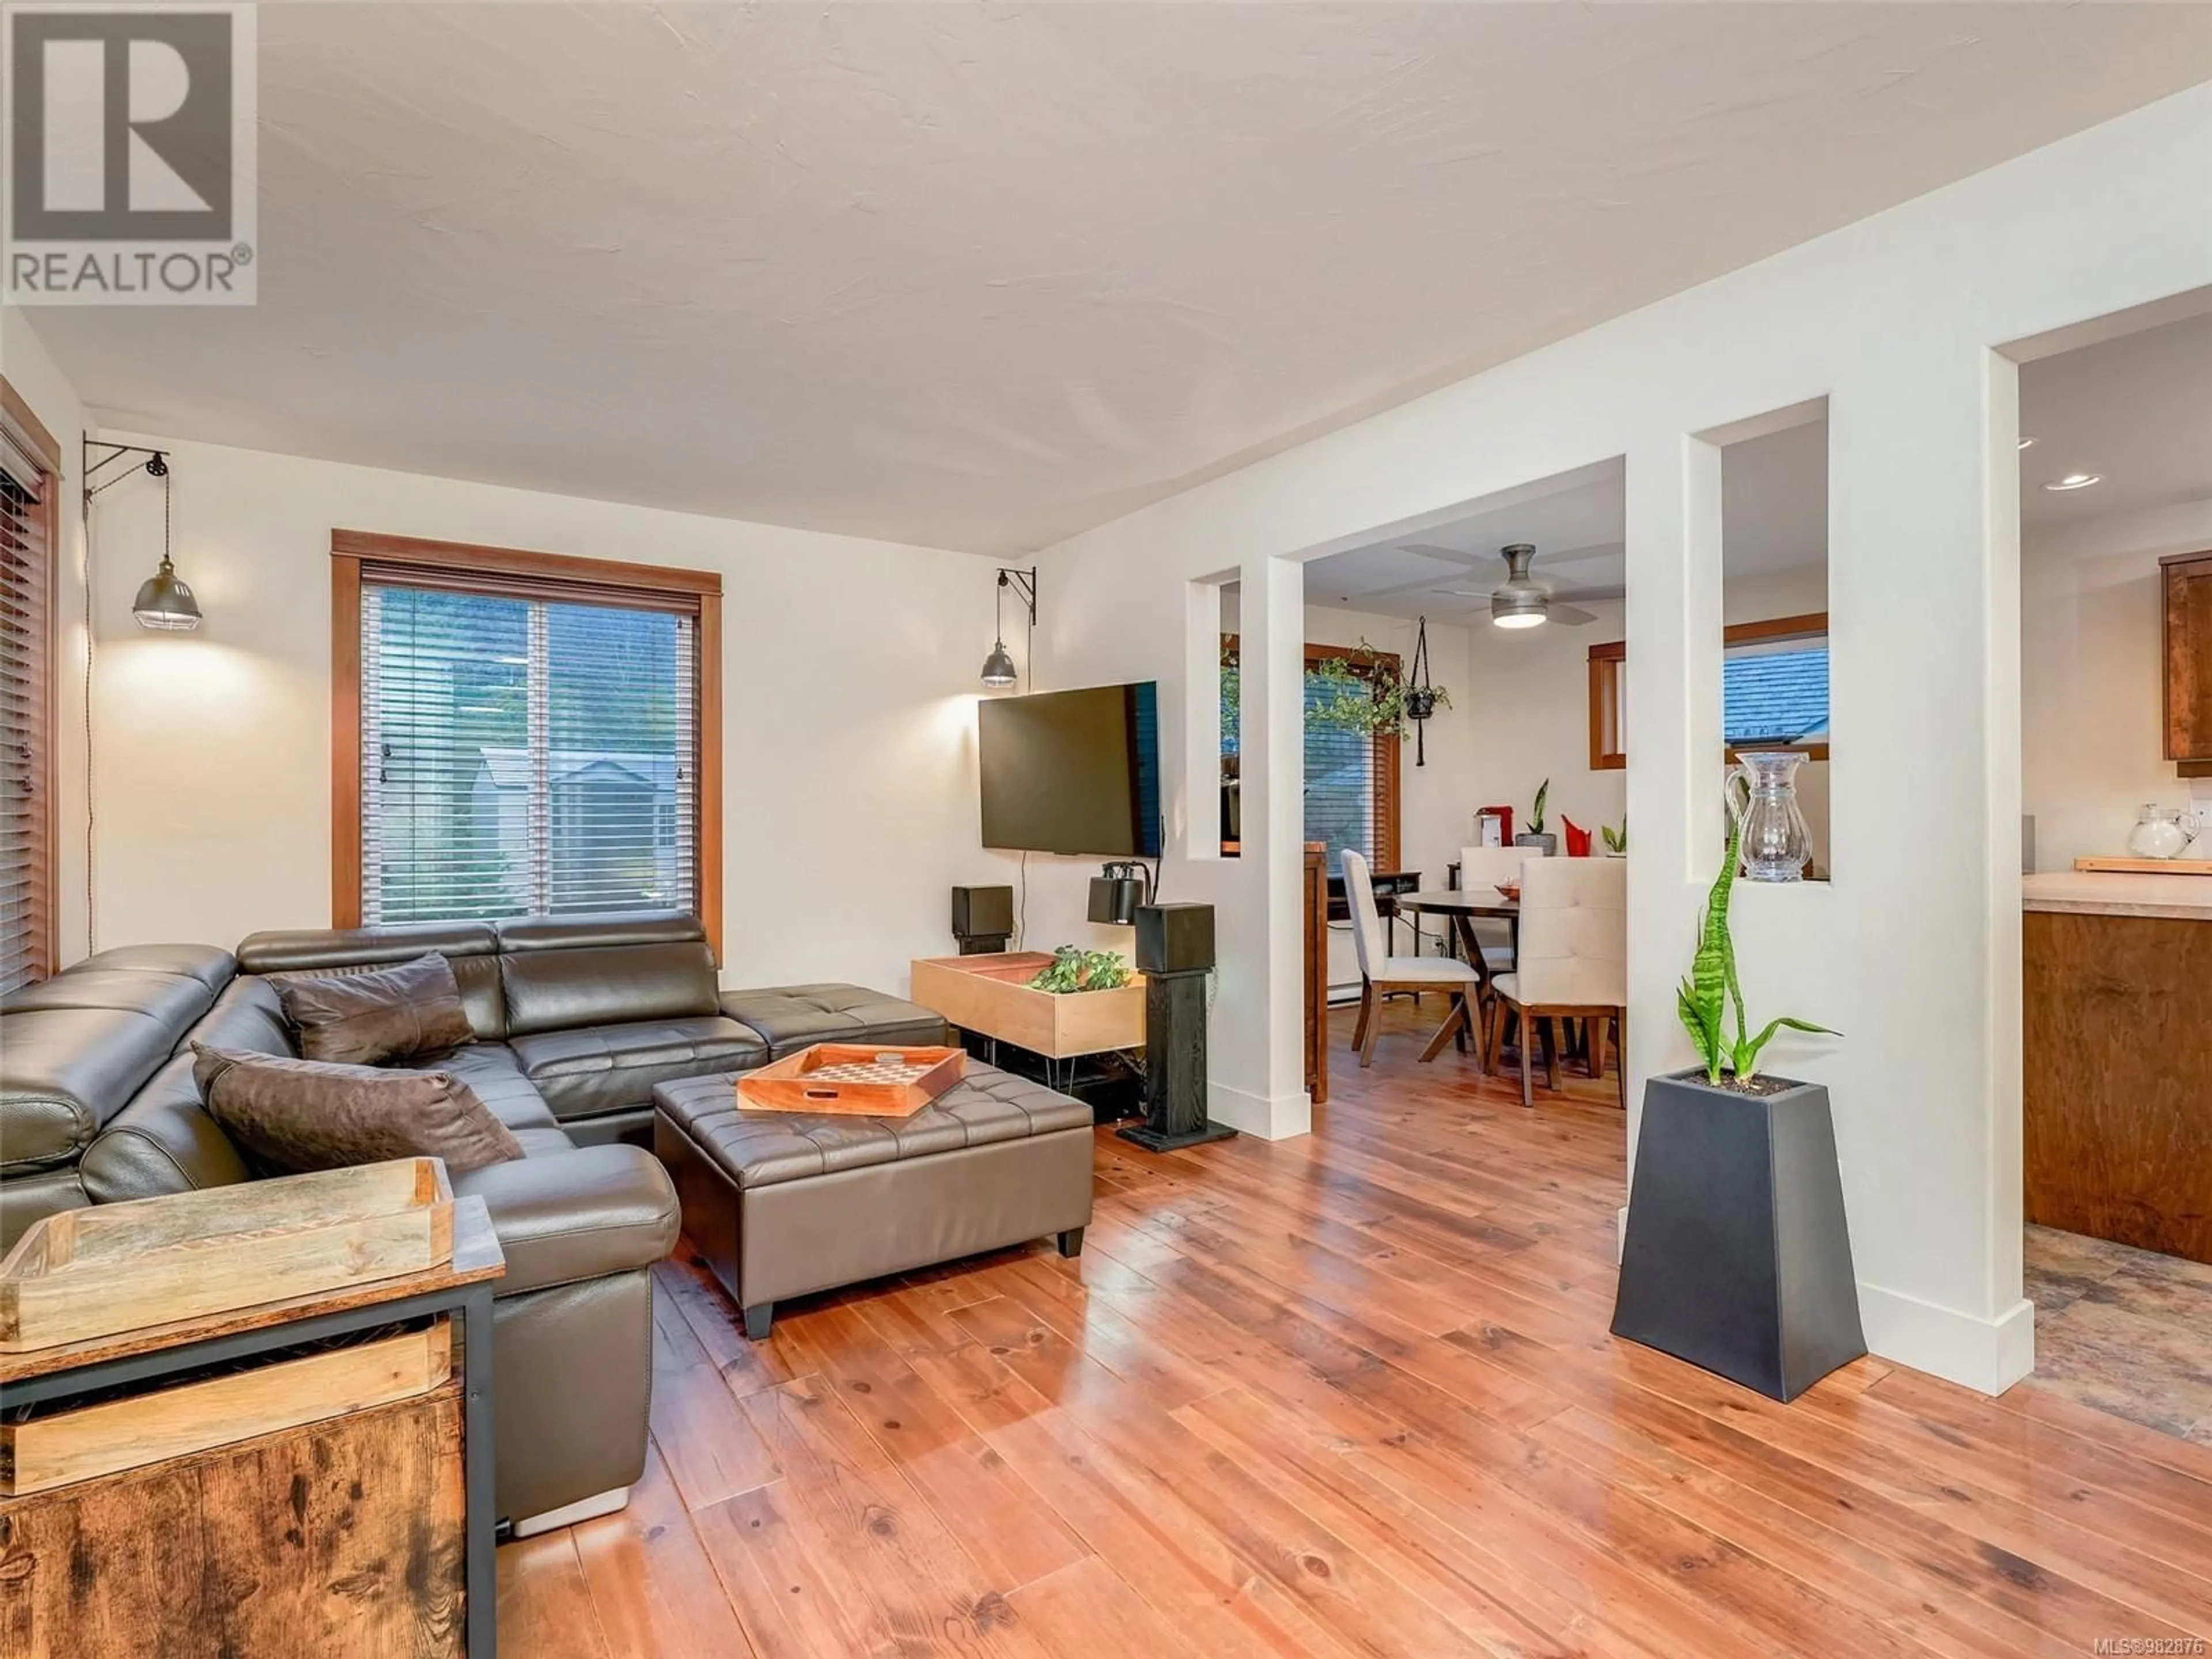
(983, 276)
(2136, 411)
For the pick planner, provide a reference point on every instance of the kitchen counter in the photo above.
(2099, 893)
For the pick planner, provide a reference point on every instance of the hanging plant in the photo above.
(1361, 698)
(1371, 698)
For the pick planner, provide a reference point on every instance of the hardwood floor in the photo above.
(1348, 1394)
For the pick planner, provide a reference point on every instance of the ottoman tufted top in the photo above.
(759, 1149)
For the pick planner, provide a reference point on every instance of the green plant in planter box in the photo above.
(1616, 841)
(1536, 811)
(1074, 968)
(1712, 982)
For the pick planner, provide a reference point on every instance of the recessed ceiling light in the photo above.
(2027, 443)
(2075, 481)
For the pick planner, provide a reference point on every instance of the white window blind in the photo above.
(1340, 785)
(27, 895)
(524, 754)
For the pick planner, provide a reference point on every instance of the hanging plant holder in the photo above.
(1420, 694)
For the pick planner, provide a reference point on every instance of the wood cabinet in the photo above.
(2188, 634)
(345, 1537)
(1313, 903)
(2117, 1023)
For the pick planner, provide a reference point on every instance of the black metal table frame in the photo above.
(472, 1302)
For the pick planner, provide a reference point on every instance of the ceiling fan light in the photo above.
(1517, 618)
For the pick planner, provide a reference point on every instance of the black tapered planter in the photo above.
(1737, 1258)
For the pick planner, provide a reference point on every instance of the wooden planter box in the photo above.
(991, 994)
(82, 1274)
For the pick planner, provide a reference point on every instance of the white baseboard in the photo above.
(1988, 1355)
(1255, 1114)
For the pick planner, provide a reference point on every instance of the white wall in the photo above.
(33, 372)
(1914, 949)
(850, 692)
(2091, 672)
(1531, 686)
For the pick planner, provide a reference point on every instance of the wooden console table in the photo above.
(312, 1539)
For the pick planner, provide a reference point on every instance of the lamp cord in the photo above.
(85, 522)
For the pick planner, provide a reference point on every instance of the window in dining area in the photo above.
(1351, 776)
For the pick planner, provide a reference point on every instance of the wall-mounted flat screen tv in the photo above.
(1073, 771)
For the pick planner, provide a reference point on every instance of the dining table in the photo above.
(1461, 905)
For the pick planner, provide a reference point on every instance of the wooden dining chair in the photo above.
(1572, 963)
(1380, 973)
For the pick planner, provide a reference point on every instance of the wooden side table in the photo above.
(148, 1357)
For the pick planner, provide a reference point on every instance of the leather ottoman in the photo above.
(783, 1203)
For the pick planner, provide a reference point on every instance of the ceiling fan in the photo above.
(1522, 601)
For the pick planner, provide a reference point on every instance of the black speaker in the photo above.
(982, 918)
(1174, 948)
(1175, 939)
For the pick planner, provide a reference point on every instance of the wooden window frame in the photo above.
(472, 568)
(1389, 838)
(1608, 683)
(22, 431)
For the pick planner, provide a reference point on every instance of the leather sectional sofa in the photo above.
(577, 1019)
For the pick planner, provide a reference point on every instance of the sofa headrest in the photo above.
(68, 1070)
(210, 964)
(173, 999)
(578, 931)
(285, 951)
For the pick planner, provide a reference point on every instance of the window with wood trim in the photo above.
(30, 476)
(1351, 790)
(1774, 691)
(521, 734)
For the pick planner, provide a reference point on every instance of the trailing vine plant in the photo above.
(1343, 696)
(1073, 969)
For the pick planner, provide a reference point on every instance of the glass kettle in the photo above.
(2161, 832)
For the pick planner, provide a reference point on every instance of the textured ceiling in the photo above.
(981, 277)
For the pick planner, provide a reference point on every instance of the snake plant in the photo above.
(1712, 982)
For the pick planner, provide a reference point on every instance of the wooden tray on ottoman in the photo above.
(82, 1274)
(853, 1079)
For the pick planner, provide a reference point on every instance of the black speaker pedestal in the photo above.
(1174, 1067)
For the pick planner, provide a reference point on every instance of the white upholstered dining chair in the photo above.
(1572, 963)
(1380, 973)
(1480, 870)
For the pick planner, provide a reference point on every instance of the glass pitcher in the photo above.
(1762, 794)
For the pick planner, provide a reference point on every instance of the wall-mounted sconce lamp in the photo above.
(998, 667)
(164, 601)
(1116, 896)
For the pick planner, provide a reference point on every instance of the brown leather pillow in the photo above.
(384, 1014)
(294, 1116)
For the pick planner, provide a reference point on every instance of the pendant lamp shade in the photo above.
(165, 602)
